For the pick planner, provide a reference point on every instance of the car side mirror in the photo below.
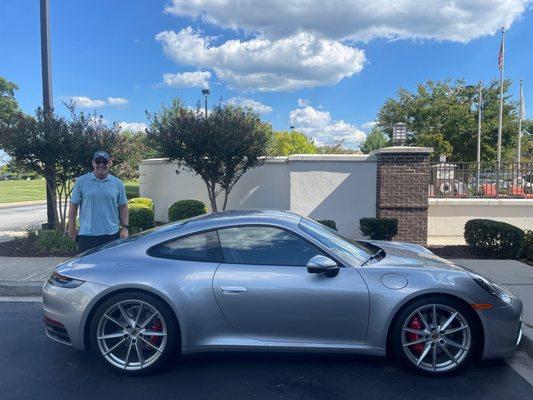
(322, 264)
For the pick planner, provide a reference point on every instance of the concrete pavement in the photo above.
(15, 218)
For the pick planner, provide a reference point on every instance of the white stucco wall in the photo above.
(338, 187)
(447, 217)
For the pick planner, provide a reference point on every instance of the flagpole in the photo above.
(480, 105)
(499, 151)
(520, 116)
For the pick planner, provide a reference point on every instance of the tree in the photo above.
(8, 104)
(375, 140)
(136, 149)
(444, 115)
(219, 148)
(64, 146)
(286, 143)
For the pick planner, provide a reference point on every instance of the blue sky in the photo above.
(324, 66)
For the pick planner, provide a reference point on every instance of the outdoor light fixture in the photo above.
(291, 127)
(206, 93)
(399, 133)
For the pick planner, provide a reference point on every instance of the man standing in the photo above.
(103, 206)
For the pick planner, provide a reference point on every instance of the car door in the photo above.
(264, 290)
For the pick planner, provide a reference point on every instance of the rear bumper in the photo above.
(64, 310)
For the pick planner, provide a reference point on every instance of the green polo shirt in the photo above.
(98, 202)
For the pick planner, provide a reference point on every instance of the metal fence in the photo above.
(485, 179)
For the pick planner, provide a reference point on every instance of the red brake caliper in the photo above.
(415, 324)
(157, 327)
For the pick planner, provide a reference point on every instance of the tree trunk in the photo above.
(212, 195)
(51, 213)
(226, 195)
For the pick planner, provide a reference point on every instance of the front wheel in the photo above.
(435, 336)
(133, 333)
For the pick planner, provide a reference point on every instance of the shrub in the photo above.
(143, 201)
(328, 222)
(54, 241)
(379, 228)
(184, 209)
(141, 218)
(527, 245)
(493, 238)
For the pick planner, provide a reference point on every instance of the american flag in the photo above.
(500, 56)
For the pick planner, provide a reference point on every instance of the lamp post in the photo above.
(206, 93)
(399, 133)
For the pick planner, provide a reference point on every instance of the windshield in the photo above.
(353, 252)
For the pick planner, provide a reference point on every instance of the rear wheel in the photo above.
(435, 336)
(133, 333)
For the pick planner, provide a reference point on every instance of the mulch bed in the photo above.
(463, 251)
(26, 247)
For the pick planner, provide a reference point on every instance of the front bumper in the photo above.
(503, 329)
(68, 307)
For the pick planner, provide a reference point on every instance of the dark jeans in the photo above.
(88, 242)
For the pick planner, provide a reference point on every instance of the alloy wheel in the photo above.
(436, 338)
(131, 334)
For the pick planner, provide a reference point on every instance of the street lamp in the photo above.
(291, 127)
(399, 133)
(206, 93)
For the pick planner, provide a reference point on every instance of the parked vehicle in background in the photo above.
(268, 281)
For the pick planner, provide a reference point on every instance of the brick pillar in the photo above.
(402, 190)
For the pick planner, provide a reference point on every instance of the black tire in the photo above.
(170, 349)
(407, 356)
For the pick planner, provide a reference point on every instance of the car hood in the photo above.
(399, 254)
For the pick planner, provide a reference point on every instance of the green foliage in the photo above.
(444, 115)
(328, 222)
(375, 140)
(132, 189)
(184, 209)
(493, 238)
(136, 148)
(337, 148)
(8, 104)
(53, 241)
(287, 143)
(141, 218)
(527, 245)
(219, 148)
(379, 228)
(142, 201)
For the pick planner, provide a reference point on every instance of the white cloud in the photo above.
(303, 102)
(257, 106)
(457, 20)
(188, 79)
(369, 124)
(86, 102)
(117, 101)
(323, 128)
(302, 60)
(132, 126)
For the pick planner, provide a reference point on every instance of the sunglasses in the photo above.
(98, 162)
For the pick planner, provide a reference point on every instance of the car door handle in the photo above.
(233, 289)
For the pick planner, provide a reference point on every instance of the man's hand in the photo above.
(124, 233)
(72, 232)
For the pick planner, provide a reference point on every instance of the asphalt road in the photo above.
(32, 367)
(19, 218)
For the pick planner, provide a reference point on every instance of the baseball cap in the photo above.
(101, 154)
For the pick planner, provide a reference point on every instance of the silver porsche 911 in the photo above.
(271, 280)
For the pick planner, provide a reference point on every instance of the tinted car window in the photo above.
(201, 247)
(265, 245)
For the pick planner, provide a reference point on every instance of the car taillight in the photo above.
(63, 281)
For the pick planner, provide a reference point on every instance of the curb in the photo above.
(22, 203)
(526, 344)
(26, 289)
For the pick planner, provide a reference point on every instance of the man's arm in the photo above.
(124, 220)
(72, 215)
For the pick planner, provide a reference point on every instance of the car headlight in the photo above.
(63, 281)
(493, 288)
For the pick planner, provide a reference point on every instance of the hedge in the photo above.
(54, 241)
(141, 218)
(328, 222)
(379, 228)
(493, 238)
(527, 245)
(184, 209)
(143, 201)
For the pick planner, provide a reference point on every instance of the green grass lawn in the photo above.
(17, 191)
